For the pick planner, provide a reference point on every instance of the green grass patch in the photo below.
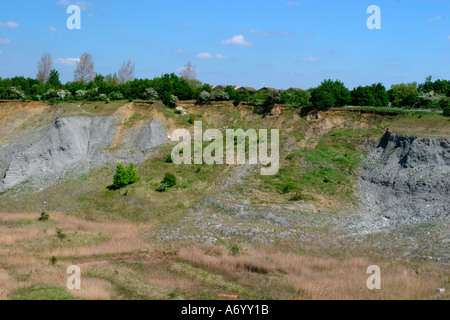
(43, 293)
(213, 282)
(329, 169)
(128, 283)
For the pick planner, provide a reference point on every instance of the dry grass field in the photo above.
(117, 264)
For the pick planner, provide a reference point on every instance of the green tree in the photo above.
(121, 178)
(112, 79)
(363, 96)
(322, 99)
(403, 95)
(53, 79)
(295, 97)
(272, 98)
(132, 174)
(169, 100)
(125, 176)
(99, 78)
(330, 94)
(427, 86)
(380, 95)
(442, 87)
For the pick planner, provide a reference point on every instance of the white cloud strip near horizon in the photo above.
(434, 19)
(9, 24)
(207, 55)
(238, 40)
(5, 41)
(67, 61)
(310, 58)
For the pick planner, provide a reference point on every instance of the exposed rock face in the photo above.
(406, 179)
(73, 146)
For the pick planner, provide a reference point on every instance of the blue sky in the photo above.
(256, 43)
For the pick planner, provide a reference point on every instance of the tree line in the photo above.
(88, 85)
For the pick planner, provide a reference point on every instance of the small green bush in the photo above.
(162, 187)
(235, 250)
(287, 188)
(60, 234)
(53, 260)
(191, 119)
(170, 180)
(132, 174)
(44, 216)
(125, 176)
(169, 159)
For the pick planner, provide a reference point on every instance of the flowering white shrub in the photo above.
(81, 94)
(204, 97)
(174, 101)
(93, 94)
(426, 98)
(150, 94)
(17, 92)
(51, 93)
(220, 95)
(63, 94)
(116, 96)
(103, 97)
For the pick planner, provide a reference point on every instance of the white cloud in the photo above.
(292, 3)
(207, 55)
(5, 41)
(1, 52)
(52, 29)
(238, 40)
(84, 5)
(448, 37)
(268, 33)
(67, 61)
(310, 58)
(434, 19)
(9, 24)
(178, 51)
